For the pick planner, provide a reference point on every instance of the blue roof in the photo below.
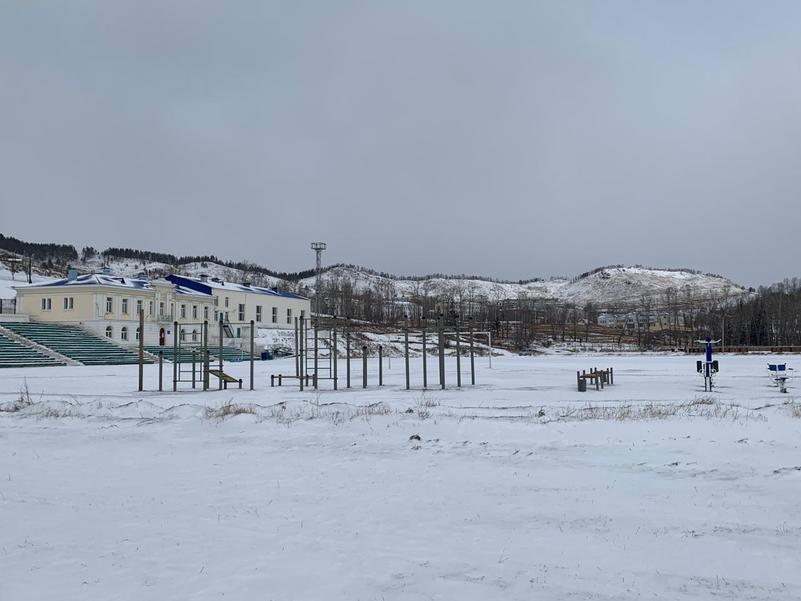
(209, 285)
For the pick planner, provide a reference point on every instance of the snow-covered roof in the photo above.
(97, 279)
(210, 284)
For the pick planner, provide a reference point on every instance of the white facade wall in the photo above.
(97, 308)
(265, 310)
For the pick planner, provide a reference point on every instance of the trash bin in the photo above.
(582, 385)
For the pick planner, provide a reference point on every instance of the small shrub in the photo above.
(22, 402)
(229, 409)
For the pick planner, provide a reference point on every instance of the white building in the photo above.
(238, 304)
(109, 306)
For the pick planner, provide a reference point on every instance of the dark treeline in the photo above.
(176, 261)
(771, 317)
(675, 319)
(59, 253)
(420, 278)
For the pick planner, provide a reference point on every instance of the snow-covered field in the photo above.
(519, 488)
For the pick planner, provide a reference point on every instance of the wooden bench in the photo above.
(225, 377)
(596, 376)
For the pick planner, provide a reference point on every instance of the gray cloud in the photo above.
(512, 139)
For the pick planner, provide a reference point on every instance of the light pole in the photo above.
(318, 247)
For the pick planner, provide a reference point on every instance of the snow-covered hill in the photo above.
(605, 287)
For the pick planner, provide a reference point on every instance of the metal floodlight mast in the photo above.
(318, 247)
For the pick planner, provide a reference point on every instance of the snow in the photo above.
(519, 488)
(20, 279)
(608, 287)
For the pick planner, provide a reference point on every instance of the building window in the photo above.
(183, 335)
(241, 312)
(194, 311)
(302, 314)
(161, 309)
(69, 303)
(124, 333)
(289, 316)
(137, 334)
(150, 308)
(125, 306)
(258, 312)
(109, 332)
(194, 335)
(226, 301)
(183, 311)
(139, 306)
(206, 313)
(109, 305)
(275, 314)
(226, 316)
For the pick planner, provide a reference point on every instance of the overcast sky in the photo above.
(510, 139)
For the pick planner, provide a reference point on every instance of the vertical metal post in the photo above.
(472, 361)
(175, 358)
(297, 351)
(441, 358)
(207, 365)
(193, 367)
(141, 350)
(161, 370)
(364, 367)
(316, 351)
(380, 365)
(458, 357)
(347, 358)
(406, 354)
(425, 366)
(302, 348)
(489, 342)
(335, 357)
(252, 349)
(220, 358)
(204, 355)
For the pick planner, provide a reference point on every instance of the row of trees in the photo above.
(771, 317)
(146, 256)
(60, 253)
(676, 318)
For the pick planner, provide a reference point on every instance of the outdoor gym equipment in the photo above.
(707, 368)
(779, 375)
(316, 352)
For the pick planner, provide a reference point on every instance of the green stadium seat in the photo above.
(75, 343)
